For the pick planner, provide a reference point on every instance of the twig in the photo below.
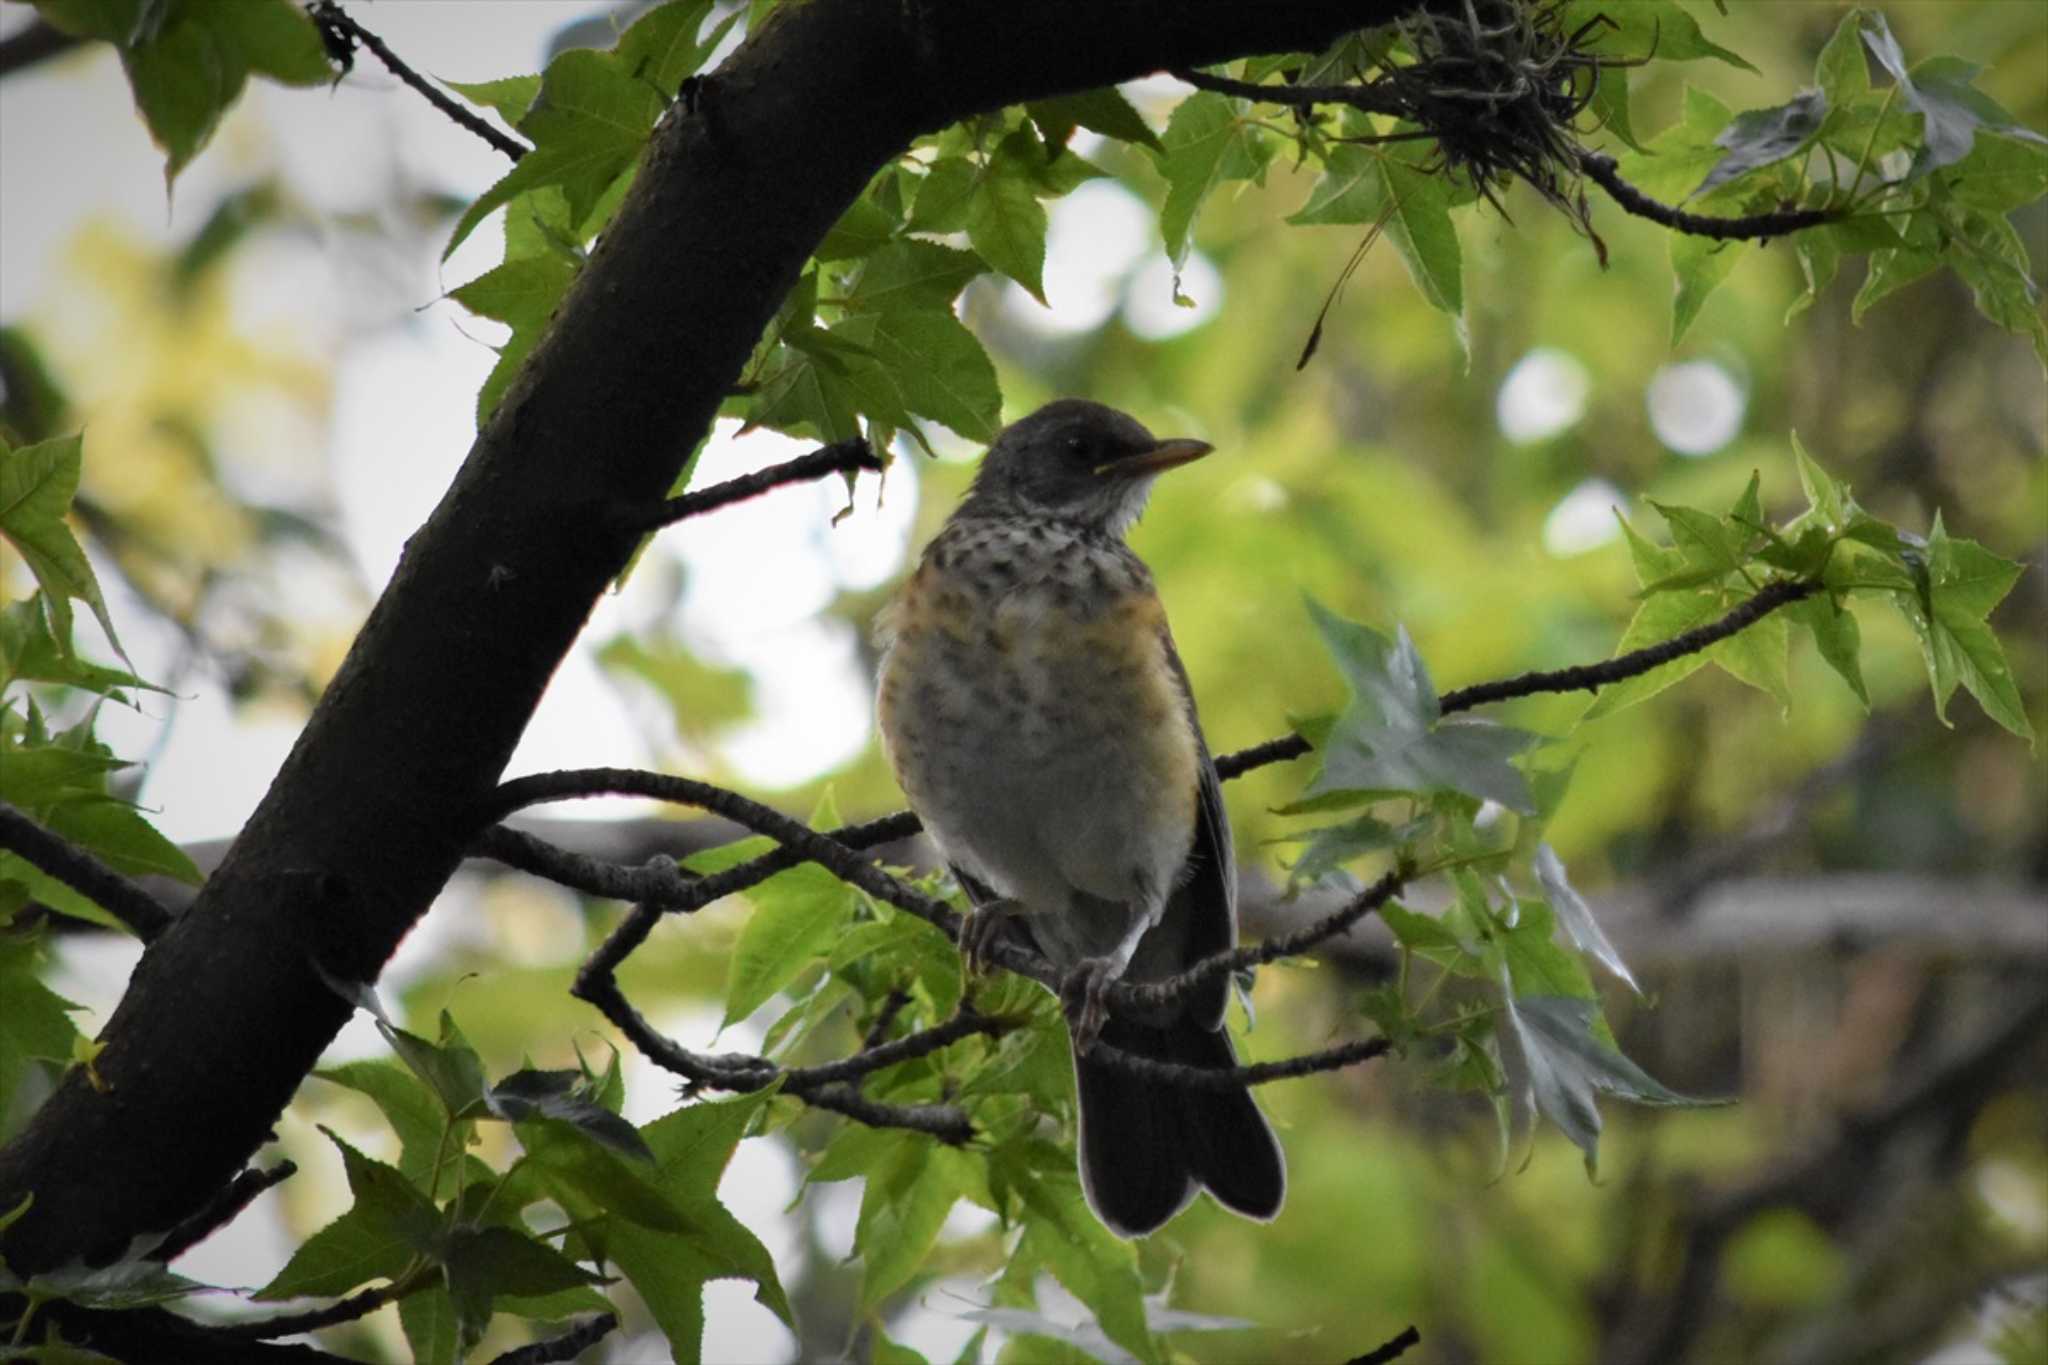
(83, 873)
(1391, 1351)
(332, 20)
(1602, 172)
(658, 880)
(37, 42)
(1371, 98)
(359, 1305)
(1593, 677)
(1237, 1077)
(1169, 989)
(839, 457)
(220, 1210)
(567, 1346)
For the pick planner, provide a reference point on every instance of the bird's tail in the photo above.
(1147, 1145)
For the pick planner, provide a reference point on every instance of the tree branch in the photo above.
(83, 873)
(839, 457)
(567, 1346)
(1593, 677)
(371, 813)
(1237, 1077)
(343, 33)
(1601, 171)
(1391, 1351)
(35, 43)
(222, 1210)
(357, 1305)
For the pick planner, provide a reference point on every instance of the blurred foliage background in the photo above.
(1823, 905)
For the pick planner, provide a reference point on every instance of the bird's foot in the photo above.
(982, 929)
(1085, 994)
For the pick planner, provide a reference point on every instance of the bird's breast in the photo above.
(1030, 708)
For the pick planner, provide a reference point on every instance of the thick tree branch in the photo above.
(1254, 1073)
(343, 33)
(374, 808)
(83, 873)
(841, 457)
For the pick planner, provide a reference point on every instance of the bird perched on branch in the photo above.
(1040, 721)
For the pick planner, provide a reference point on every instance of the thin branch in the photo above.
(38, 42)
(1165, 991)
(567, 1346)
(658, 880)
(1237, 1077)
(1602, 172)
(1371, 98)
(343, 33)
(837, 458)
(1391, 1351)
(1593, 677)
(1259, 755)
(83, 873)
(359, 1305)
(221, 1210)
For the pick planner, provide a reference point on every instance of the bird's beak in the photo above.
(1166, 455)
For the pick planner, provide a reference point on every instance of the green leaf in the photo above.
(1698, 266)
(510, 96)
(1005, 222)
(451, 1068)
(577, 1166)
(522, 293)
(37, 484)
(1104, 111)
(797, 913)
(1643, 28)
(1841, 71)
(30, 653)
(865, 227)
(587, 124)
(431, 1326)
(1758, 655)
(1059, 1230)
(691, 1148)
(662, 46)
(119, 834)
(913, 276)
(1836, 633)
(943, 196)
(1764, 137)
(407, 1105)
(1965, 581)
(389, 1225)
(484, 1263)
(35, 1022)
(1659, 618)
(1568, 1062)
(909, 1192)
(1361, 184)
(1391, 737)
(568, 1096)
(1206, 143)
(1577, 917)
(1536, 964)
(925, 362)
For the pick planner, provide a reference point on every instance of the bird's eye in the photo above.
(1078, 446)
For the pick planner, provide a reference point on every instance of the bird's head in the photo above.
(1078, 461)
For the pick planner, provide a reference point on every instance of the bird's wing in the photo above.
(1206, 902)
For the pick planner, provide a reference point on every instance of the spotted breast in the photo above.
(1030, 707)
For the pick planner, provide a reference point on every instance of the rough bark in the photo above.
(371, 813)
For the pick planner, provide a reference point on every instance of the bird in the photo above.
(1039, 720)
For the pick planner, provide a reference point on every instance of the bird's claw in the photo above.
(1085, 994)
(981, 930)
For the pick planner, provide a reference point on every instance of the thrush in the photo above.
(1040, 721)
